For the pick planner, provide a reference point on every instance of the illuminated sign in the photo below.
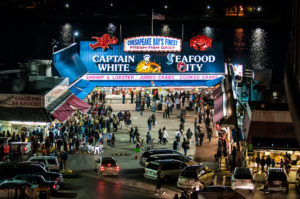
(200, 42)
(151, 77)
(152, 44)
(103, 42)
(117, 61)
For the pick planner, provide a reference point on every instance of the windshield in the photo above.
(105, 162)
(277, 176)
(152, 166)
(242, 173)
(189, 174)
(52, 161)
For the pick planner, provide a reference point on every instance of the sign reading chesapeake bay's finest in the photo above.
(152, 44)
(25, 101)
(116, 61)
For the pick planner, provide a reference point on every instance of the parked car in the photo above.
(219, 191)
(38, 180)
(16, 189)
(195, 176)
(25, 147)
(34, 162)
(242, 178)
(5, 142)
(51, 162)
(147, 154)
(298, 181)
(107, 166)
(187, 160)
(170, 169)
(276, 180)
(7, 170)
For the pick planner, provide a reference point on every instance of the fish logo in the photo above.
(103, 42)
(170, 57)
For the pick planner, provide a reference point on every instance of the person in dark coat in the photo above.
(159, 183)
(268, 162)
(262, 162)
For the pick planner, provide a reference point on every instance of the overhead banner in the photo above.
(169, 57)
(152, 44)
(19, 100)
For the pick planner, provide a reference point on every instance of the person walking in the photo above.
(177, 137)
(113, 140)
(131, 96)
(273, 162)
(168, 112)
(262, 163)
(160, 136)
(159, 183)
(194, 194)
(257, 162)
(148, 138)
(201, 137)
(64, 159)
(281, 163)
(268, 162)
(185, 146)
(149, 122)
(123, 97)
(175, 145)
(165, 136)
(142, 108)
(189, 135)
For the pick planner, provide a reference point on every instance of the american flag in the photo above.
(157, 16)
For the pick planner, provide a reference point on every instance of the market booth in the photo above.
(145, 61)
(269, 132)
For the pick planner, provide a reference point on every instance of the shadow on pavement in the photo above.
(65, 195)
(68, 186)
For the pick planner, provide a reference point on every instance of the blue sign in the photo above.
(189, 61)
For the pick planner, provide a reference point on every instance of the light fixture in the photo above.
(67, 5)
(166, 6)
(259, 8)
(76, 33)
(208, 7)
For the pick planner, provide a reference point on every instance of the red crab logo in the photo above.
(103, 42)
(181, 67)
(200, 42)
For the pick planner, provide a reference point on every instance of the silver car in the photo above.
(195, 176)
(107, 166)
(242, 178)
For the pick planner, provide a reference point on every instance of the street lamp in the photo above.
(67, 5)
(75, 34)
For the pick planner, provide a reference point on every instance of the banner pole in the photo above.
(152, 22)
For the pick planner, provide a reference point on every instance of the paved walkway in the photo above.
(204, 153)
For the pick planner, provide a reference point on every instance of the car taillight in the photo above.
(25, 148)
(117, 168)
(102, 168)
(6, 149)
(109, 165)
(54, 186)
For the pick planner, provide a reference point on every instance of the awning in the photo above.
(82, 88)
(24, 114)
(218, 109)
(68, 63)
(67, 108)
(217, 92)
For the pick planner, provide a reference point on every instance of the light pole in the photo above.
(75, 34)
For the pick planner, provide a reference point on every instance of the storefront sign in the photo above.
(103, 42)
(200, 42)
(152, 44)
(25, 101)
(151, 77)
(117, 61)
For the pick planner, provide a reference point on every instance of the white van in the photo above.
(51, 162)
(25, 147)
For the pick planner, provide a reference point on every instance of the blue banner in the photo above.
(115, 61)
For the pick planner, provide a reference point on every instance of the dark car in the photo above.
(37, 169)
(38, 180)
(16, 189)
(9, 170)
(146, 154)
(187, 160)
(276, 180)
(219, 191)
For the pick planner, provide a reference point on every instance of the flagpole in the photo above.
(152, 22)
(182, 32)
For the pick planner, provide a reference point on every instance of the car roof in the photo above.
(107, 158)
(165, 154)
(167, 161)
(28, 175)
(44, 157)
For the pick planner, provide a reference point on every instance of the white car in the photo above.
(25, 147)
(242, 178)
(51, 162)
(107, 166)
